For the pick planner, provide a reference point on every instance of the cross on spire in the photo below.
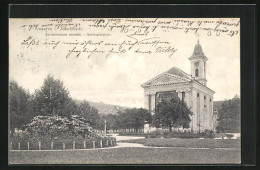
(198, 35)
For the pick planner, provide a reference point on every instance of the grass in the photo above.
(127, 156)
(191, 143)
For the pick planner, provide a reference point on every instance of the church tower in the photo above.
(198, 64)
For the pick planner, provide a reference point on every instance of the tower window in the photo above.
(198, 95)
(205, 97)
(197, 72)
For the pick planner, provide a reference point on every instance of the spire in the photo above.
(198, 52)
(198, 35)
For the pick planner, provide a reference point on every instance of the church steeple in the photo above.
(198, 64)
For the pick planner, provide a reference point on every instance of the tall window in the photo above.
(197, 72)
(182, 96)
(205, 101)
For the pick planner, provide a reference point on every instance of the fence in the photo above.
(119, 130)
(61, 144)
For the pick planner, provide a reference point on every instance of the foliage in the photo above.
(52, 105)
(229, 116)
(166, 134)
(52, 98)
(90, 114)
(19, 106)
(172, 112)
(111, 120)
(56, 127)
(133, 118)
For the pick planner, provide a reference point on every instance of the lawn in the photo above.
(128, 156)
(190, 143)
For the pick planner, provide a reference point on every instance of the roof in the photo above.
(198, 52)
(175, 72)
(178, 72)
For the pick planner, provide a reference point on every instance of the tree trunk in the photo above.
(170, 128)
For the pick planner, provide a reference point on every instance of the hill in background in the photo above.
(104, 108)
(113, 109)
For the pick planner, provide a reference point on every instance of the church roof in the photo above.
(174, 75)
(198, 52)
(178, 72)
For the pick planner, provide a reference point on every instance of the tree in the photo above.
(91, 115)
(122, 120)
(229, 116)
(137, 117)
(111, 121)
(172, 112)
(19, 106)
(52, 98)
(133, 118)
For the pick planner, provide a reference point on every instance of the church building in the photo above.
(190, 88)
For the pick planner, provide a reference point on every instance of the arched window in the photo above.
(197, 72)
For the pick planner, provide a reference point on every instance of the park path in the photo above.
(123, 145)
(121, 138)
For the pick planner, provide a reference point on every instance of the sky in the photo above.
(117, 79)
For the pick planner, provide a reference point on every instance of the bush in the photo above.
(167, 134)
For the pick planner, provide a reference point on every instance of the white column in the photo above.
(146, 101)
(152, 103)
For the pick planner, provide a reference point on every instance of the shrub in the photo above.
(167, 134)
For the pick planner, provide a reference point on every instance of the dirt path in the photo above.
(120, 138)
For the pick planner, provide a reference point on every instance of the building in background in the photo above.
(190, 88)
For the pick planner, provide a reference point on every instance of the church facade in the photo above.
(190, 88)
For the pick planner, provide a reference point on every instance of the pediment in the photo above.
(165, 79)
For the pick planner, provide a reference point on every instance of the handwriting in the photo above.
(90, 37)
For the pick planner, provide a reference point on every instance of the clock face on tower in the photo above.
(196, 64)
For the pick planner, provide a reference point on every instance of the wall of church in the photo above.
(201, 108)
(194, 110)
(210, 111)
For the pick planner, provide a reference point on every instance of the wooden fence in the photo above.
(61, 145)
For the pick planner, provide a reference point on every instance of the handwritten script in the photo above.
(90, 37)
